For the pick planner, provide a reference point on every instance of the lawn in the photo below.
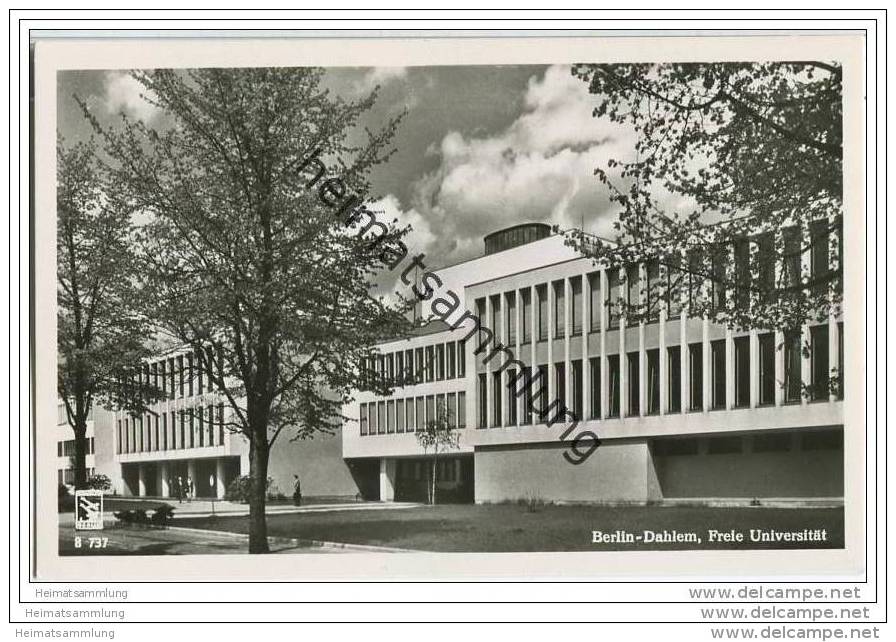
(510, 527)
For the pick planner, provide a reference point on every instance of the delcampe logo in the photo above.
(88, 510)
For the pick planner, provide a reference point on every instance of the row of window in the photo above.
(531, 386)
(182, 376)
(62, 414)
(412, 413)
(188, 428)
(406, 367)
(67, 448)
(67, 476)
(627, 290)
(416, 470)
(770, 442)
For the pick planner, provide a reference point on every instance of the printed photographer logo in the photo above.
(88, 510)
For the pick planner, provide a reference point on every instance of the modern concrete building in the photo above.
(683, 408)
(185, 436)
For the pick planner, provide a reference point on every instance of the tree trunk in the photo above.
(258, 474)
(80, 457)
(432, 494)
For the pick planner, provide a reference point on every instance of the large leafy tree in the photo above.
(246, 259)
(100, 334)
(735, 176)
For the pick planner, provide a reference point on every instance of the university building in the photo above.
(683, 408)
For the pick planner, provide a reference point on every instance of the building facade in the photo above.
(188, 436)
(682, 408)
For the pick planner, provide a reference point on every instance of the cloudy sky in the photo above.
(481, 148)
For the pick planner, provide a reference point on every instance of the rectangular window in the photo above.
(613, 375)
(418, 364)
(542, 293)
(763, 262)
(430, 363)
(767, 369)
(192, 421)
(362, 421)
(451, 355)
(399, 415)
(461, 409)
(183, 429)
(742, 274)
(420, 417)
(399, 368)
(441, 407)
(140, 447)
(542, 394)
(634, 383)
(211, 426)
(164, 431)
(430, 409)
(820, 362)
(200, 416)
(221, 424)
(381, 418)
(181, 375)
(695, 380)
(372, 417)
(191, 375)
(409, 422)
(524, 389)
(510, 319)
(696, 280)
(577, 389)
(652, 269)
(576, 304)
(440, 362)
(164, 378)
(526, 321)
(494, 321)
(673, 286)
(408, 367)
(594, 301)
(199, 377)
(559, 309)
(720, 276)
(673, 376)
(820, 257)
(595, 387)
(511, 398)
(497, 396)
(717, 355)
(559, 383)
(741, 372)
(792, 258)
(653, 382)
(793, 363)
(614, 298)
(390, 416)
(120, 440)
(461, 359)
(173, 424)
(483, 320)
(452, 410)
(390, 369)
(482, 395)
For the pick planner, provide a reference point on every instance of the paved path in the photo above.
(205, 508)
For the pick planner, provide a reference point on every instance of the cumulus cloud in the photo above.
(538, 169)
(124, 94)
(379, 76)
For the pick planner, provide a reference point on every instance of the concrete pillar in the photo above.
(387, 480)
(141, 480)
(163, 481)
(191, 474)
(220, 488)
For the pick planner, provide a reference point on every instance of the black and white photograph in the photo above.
(594, 306)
